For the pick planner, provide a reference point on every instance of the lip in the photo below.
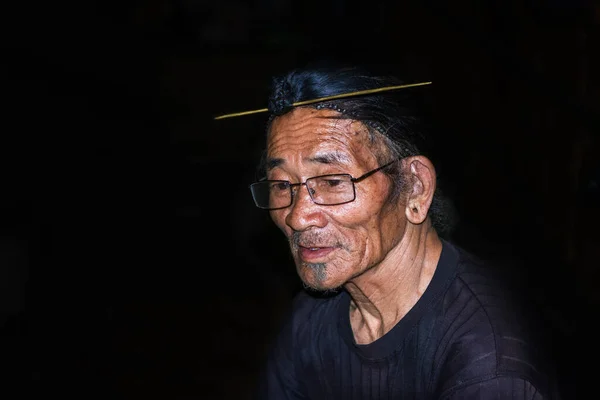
(311, 254)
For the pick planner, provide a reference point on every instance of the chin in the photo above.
(315, 277)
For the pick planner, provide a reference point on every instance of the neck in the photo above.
(385, 293)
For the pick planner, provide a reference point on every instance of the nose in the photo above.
(304, 213)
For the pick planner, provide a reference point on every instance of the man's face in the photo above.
(331, 244)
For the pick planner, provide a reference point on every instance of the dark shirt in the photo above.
(467, 337)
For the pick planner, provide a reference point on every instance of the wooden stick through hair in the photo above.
(327, 98)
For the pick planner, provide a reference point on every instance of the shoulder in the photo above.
(498, 289)
(495, 287)
(306, 308)
(500, 387)
(296, 330)
(491, 331)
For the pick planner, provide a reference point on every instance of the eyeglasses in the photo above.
(325, 190)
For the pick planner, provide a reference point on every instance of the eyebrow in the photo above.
(273, 163)
(324, 158)
(335, 157)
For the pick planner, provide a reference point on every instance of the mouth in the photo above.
(313, 254)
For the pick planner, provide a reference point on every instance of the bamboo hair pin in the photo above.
(327, 98)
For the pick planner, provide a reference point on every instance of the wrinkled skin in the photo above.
(352, 237)
(384, 253)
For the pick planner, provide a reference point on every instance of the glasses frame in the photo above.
(293, 185)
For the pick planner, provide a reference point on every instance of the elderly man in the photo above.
(391, 310)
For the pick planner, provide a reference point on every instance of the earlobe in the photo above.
(420, 195)
(415, 214)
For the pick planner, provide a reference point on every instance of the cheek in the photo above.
(392, 226)
(361, 215)
(360, 229)
(373, 231)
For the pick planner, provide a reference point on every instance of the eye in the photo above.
(279, 186)
(333, 182)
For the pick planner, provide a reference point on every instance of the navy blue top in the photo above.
(466, 338)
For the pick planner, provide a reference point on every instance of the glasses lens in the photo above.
(271, 194)
(331, 189)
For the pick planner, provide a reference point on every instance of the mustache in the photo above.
(312, 239)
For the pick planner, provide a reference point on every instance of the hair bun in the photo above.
(281, 102)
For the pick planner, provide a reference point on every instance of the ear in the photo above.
(422, 177)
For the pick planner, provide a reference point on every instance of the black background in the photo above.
(134, 264)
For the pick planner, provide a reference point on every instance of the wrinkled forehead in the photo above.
(304, 131)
